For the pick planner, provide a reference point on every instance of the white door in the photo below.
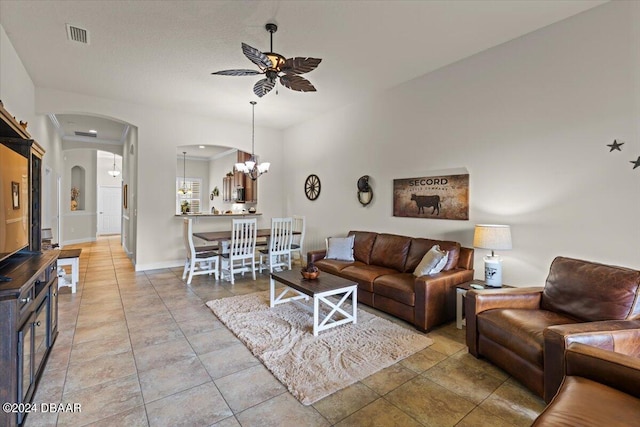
(109, 214)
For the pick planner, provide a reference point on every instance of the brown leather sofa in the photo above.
(383, 268)
(525, 331)
(602, 387)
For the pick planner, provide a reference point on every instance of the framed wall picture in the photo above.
(438, 197)
(124, 196)
(15, 194)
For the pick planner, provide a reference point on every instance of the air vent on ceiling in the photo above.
(89, 134)
(77, 34)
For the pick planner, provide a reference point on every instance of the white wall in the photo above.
(159, 133)
(529, 120)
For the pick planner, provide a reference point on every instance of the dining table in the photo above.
(222, 236)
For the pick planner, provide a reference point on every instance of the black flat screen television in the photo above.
(14, 202)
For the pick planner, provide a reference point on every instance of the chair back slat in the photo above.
(243, 237)
(281, 233)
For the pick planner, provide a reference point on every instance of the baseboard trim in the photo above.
(160, 265)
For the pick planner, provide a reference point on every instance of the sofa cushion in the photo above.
(520, 330)
(340, 248)
(390, 250)
(432, 262)
(365, 274)
(590, 291)
(398, 287)
(333, 265)
(419, 247)
(363, 245)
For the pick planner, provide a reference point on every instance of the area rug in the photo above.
(314, 367)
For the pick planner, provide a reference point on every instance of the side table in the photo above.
(461, 291)
(69, 257)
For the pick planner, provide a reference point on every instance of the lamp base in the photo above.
(493, 271)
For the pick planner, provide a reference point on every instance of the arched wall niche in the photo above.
(78, 188)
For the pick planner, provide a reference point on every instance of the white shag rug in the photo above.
(314, 367)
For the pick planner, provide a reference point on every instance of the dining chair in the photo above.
(278, 254)
(200, 260)
(299, 224)
(241, 255)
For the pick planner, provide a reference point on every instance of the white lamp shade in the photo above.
(264, 167)
(494, 237)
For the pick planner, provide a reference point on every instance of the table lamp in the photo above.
(494, 237)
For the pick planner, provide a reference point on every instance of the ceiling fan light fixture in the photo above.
(275, 67)
(277, 60)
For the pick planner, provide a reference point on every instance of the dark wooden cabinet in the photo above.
(28, 326)
(239, 188)
(29, 302)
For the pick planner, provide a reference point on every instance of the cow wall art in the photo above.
(439, 197)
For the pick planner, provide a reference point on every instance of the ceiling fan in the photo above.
(274, 66)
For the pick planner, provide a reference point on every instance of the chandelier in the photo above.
(114, 172)
(251, 167)
(184, 189)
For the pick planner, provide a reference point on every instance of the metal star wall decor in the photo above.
(636, 163)
(615, 146)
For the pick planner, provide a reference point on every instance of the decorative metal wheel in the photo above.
(312, 187)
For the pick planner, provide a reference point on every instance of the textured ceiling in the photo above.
(162, 53)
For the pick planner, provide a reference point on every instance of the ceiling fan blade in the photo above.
(237, 72)
(300, 65)
(295, 82)
(257, 57)
(262, 87)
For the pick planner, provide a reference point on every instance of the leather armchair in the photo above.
(525, 331)
(601, 387)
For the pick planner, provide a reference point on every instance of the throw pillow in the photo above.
(340, 248)
(432, 262)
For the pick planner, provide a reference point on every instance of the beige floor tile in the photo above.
(108, 346)
(136, 417)
(154, 334)
(423, 360)
(200, 324)
(382, 382)
(102, 401)
(172, 378)
(429, 403)
(466, 380)
(282, 410)
(199, 406)
(164, 354)
(99, 370)
(481, 417)
(514, 403)
(228, 360)
(247, 388)
(217, 339)
(379, 413)
(227, 422)
(345, 402)
(117, 330)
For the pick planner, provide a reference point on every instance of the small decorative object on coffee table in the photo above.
(310, 272)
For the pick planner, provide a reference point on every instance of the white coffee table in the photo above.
(320, 289)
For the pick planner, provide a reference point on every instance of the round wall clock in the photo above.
(312, 187)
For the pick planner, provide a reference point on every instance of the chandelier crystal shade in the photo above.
(114, 172)
(251, 167)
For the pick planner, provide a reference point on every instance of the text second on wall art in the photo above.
(439, 197)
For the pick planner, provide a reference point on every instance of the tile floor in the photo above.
(142, 349)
